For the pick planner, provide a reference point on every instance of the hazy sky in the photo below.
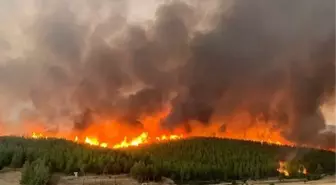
(19, 21)
(47, 48)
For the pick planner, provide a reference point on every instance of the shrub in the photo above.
(5, 157)
(142, 172)
(313, 177)
(138, 171)
(36, 173)
(319, 169)
(27, 173)
(18, 159)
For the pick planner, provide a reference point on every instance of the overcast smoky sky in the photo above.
(275, 60)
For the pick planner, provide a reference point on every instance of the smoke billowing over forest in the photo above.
(69, 63)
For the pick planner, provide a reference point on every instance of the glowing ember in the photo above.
(303, 170)
(282, 168)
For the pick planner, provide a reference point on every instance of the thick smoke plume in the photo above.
(74, 61)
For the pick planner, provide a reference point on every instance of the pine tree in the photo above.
(138, 171)
(27, 173)
(18, 159)
(42, 173)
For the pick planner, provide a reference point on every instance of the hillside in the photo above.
(195, 159)
(224, 159)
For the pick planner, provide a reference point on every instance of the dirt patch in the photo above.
(106, 180)
(10, 177)
(328, 180)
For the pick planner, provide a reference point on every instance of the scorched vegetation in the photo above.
(194, 159)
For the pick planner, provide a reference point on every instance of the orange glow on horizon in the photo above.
(109, 133)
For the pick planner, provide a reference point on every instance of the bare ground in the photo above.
(106, 180)
(328, 180)
(10, 177)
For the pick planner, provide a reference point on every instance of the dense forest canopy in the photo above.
(200, 158)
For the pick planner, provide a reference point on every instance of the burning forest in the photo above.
(117, 73)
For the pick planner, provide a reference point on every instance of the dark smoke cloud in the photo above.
(59, 35)
(84, 120)
(264, 48)
(273, 59)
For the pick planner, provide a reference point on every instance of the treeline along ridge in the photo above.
(201, 159)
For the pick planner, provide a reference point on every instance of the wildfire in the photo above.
(99, 133)
(171, 137)
(93, 141)
(143, 138)
(282, 168)
(37, 135)
(303, 170)
(90, 135)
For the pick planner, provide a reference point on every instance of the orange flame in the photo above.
(92, 133)
(171, 137)
(94, 142)
(37, 135)
(303, 170)
(282, 168)
(112, 134)
(143, 138)
(91, 141)
(104, 145)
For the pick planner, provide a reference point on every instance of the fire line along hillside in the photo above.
(193, 159)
